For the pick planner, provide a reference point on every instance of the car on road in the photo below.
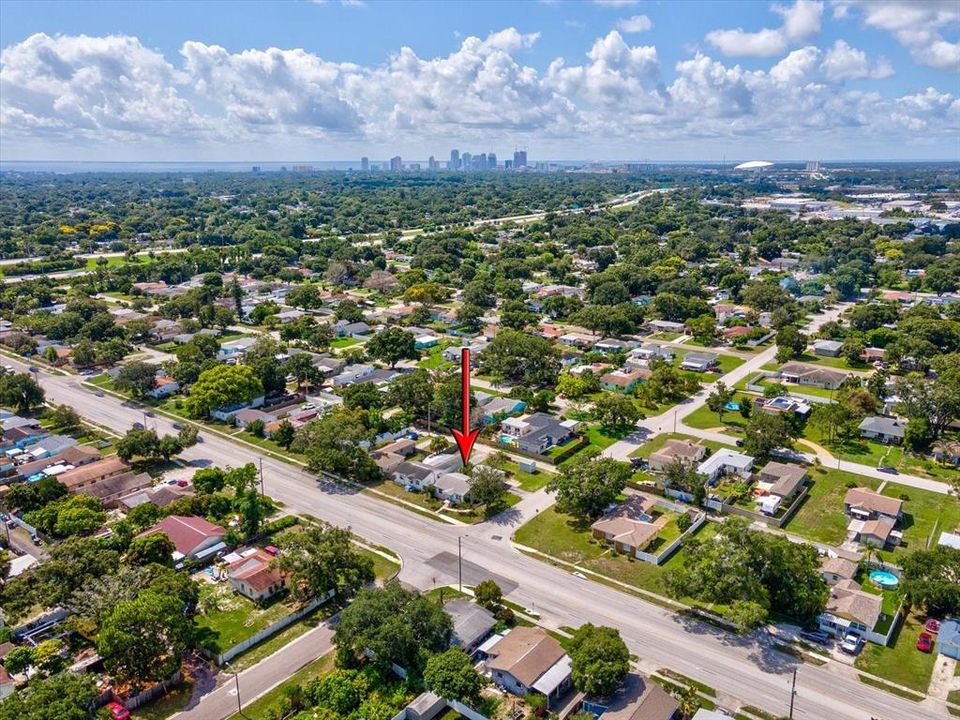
(138, 426)
(887, 469)
(739, 442)
(118, 711)
(149, 413)
(816, 636)
(36, 540)
(579, 575)
(851, 643)
(177, 426)
(932, 625)
(925, 642)
(99, 393)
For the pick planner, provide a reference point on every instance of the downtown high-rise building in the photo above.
(492, 161)
(519, 158)
(365, 164)
(396, 163)
(466, 161)
(454, 160)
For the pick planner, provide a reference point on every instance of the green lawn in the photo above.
(602, 438)
(821, 517)
(228, 618)
(344, 342)
(900, 663)
(865, 452)
(116, 261)
(531, 482)
(666, 336)
(651, 446)
(925, 513)
(433, 358)
(560, 536)
(703, 418)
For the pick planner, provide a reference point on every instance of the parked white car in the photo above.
(851, 643)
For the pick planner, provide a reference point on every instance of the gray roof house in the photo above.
(472, 624)
(538, 432)
(827, 348)
(887, 430)
(698, 362)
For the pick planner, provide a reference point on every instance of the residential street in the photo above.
(742, 668)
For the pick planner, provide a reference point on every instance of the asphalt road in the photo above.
(744, 669)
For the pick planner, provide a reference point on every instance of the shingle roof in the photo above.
(526, 653)
(849, 601)
(92, 471)
(186, 532)
(869, 500)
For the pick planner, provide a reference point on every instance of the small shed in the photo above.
(948, 640)
(529, 466)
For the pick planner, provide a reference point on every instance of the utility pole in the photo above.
(793, 692)
(261, 476)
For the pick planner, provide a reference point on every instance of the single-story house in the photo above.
(244, 417)
(698, 362)
(781, 404)
(164, 385)
(726, 462)
(415, 475)
(673, 450)
(353, 374)
(887, 430)
(804, 374)
(472, 624)
(161, 496)
(827, 348)
(651, 351)
(873, 354)
(527, 660)
(630, 527)
(784, 480)
(876, 533)
(110, 490)
(637, 698)
(611, 345)
(452, 487)
(538, 432)
(833, 570)
(402, 446)
(192, 536)
(92, 472)
(666, 326)
(50, 446)
(624, 380)
(253, 576)
(424, 342)
(498, 407)
(235, 348)
(865, 504)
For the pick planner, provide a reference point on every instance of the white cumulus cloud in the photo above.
(800, 21)
(635, 24)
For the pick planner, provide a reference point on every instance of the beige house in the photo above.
(253, 576)
(684, 451)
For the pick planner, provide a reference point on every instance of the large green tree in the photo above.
(144, 639)
(600, 660)
(519, 357)
(451, 675)
(65, 696)
(222, 386)
(21, 392)
(323, 558)
(585, 489)
(392, 345)
(136, 377)
(931, 579)
(393, 625)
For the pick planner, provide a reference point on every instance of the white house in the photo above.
(725, 462)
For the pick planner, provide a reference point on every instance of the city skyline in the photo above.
(603, 81)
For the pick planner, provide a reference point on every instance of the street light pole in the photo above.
(793, 691)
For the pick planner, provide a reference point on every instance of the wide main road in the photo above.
(745, 668)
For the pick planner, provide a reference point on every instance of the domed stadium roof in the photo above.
(753, 165)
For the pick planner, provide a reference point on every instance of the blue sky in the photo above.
(576, 80)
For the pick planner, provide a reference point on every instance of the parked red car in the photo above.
(118, 711)
(932, 626)
(925, 642)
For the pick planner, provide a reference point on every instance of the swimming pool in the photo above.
(884, 579)
(732, 406)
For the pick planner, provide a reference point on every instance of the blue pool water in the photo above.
(884, 579)
(732, 406)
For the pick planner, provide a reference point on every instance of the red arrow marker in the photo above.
(465, 437)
